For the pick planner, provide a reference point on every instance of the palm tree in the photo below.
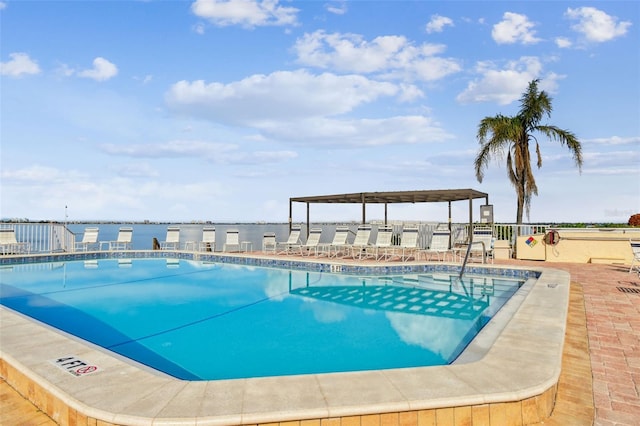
(513, 134)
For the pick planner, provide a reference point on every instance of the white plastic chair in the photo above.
(361, 241)
(292, 243)
(232, 242)
(439, 245)
(172, 240)
(338, 245)
(123, 242)
(9, 244)
(89, 239)
(269, 242)
(208, 242)
(311, 246)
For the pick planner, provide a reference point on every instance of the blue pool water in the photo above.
(207, 321)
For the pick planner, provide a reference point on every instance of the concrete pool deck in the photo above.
(409, 410)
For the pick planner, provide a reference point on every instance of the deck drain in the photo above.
(629, 290)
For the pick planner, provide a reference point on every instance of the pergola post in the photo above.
(308, 222)
(449, 224)
(470, 233)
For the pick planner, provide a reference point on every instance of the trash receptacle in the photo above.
(502, 249)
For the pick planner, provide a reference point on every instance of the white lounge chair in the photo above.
(635, 262)
(382, 246)
(9, 244)
(208, 242)
(89, 239)
(172, 240)
(292, 243)
(232, 242)
(269, 242)
(339, 244)
(311, 245)
(408, 247)
(123, 242)
(481, 245)
(439, 246)
(360, 242)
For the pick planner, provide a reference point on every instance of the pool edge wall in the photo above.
(515, 383)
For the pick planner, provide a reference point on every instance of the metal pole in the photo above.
(470, 233)
(449, 224)
(364, 209)
(307, 220)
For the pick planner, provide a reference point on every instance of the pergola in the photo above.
(364, 198)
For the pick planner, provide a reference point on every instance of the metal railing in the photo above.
(43, 237)
(56, 237)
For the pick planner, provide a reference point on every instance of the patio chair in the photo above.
(89, 239)
(232, 242)
(123, 242)
(382, 246)
(439, 245)
(339, 244)
(408, 247)
(292, 243)
(269, 242)
(635, 262)
(9, 244)
(208, 242)
(360, 242)
(172, 240)
(311, 245)
(481, 245)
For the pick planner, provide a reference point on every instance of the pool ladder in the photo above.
(464, 262)
(466, 257)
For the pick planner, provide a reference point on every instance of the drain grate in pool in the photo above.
(629, 290)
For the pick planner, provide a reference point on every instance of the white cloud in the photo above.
(614, 140)
(506, 85)
(19, 64)
(514, 28)
(281, 96)
(136, 170)
(327, 132)
(39, 174)
(247, 13)
(214, 152)
(198, 28)
(102, 70)
(337, 8)
(595, 25)
(437, 23)
(395, 56)
(563, 42)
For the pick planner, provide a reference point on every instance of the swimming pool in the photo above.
(198, 320)
(509, 371)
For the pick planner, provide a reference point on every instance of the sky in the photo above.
(221, 110)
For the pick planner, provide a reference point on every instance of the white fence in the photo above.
(56, 237)
(43, 237)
